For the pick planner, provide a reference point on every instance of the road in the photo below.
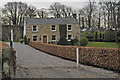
(32, 63)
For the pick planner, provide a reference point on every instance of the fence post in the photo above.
(11, 41)
(77, 56)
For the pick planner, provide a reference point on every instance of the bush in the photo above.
(96, 36)
(21, 41)
(74, 41)
(28, 41)
(109, 36)
(118, 45)
(83, 41)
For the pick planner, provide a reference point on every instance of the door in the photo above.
(44, 39)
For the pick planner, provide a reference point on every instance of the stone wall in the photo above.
(8, 62)
(108, 58)
(17, 32)
(45, 29)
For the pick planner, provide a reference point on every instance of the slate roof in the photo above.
(51, 21)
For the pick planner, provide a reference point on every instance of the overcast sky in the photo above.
(76, 4)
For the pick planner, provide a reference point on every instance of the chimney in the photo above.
(58, 16)
(74, 15)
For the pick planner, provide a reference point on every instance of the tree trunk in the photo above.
(83, 23)
(115, 25)
(108, 18)
(99, 22)
(118, 15)
(104, 19)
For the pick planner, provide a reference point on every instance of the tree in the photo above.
(31, 11)
(90, 12)
(96, 36)
(118, 14)
(13, 11)
(83, 23)
(42, 13)
(61, 9)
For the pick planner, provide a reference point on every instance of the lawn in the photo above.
(102, 44)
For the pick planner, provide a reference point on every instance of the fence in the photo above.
(107, 58)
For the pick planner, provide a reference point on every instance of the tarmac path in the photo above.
(32, 63)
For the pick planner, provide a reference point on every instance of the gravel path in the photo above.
(32, 63)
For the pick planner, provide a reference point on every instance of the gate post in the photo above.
(77, 56)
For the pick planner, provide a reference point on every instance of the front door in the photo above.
(44, 39)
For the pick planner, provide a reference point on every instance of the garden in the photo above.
(101, 38)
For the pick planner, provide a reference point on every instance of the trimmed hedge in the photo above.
(107, 58)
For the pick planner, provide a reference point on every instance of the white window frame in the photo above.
(69, 39)
(55, 27)
(35, 35)
(71, 27)
(36, 28)
(55, 37)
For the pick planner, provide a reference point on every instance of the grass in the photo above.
(103, 44)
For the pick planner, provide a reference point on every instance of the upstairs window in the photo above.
(34, 28)
(53, 28)
(34, 38)
(69, 28)
(53, 37)
(69, 37)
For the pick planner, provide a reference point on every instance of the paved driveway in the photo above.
(32, 63)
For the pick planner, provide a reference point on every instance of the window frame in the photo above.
(52, 37)
(68, 37)
(36, 28)
(33, 37)
(67, 27)
(52, 27)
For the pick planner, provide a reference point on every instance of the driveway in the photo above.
(32, 63)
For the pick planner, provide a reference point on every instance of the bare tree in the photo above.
(13, 13)
(118, 14)
(31, 11)
(55, 8)
(63, 10)
(42, 13)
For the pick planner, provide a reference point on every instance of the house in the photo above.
(47, 30)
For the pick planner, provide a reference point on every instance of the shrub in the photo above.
(21, 41)
(118, 45)
(74, 41)
(96, 36)
(110, 36)
(25, 39)
(28, 41)
(83, 41)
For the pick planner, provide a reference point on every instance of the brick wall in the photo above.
(108, 58)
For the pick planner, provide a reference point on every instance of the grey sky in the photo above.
(76, 4)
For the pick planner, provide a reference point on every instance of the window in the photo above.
(53, 28)
(69, 37)
(69, 28)
(53, 37)
(35, 28)
(34, 38)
